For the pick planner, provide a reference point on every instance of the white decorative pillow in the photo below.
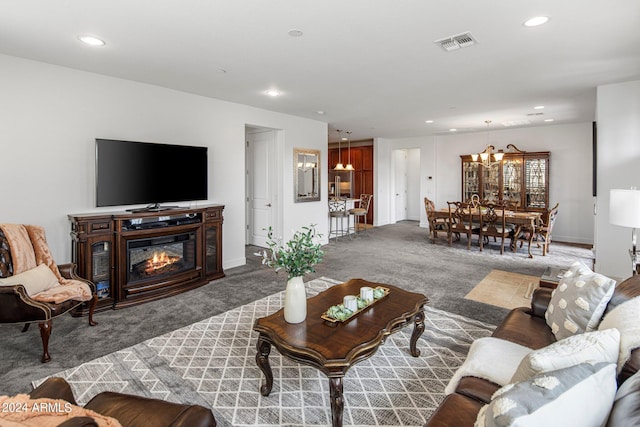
(589, 347)
(581, 395)
(626, 319)
(577, 304)
(578, 268)
(35, 280)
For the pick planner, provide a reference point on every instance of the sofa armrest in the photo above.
(54, 388)
(138, 411)
(540, 301)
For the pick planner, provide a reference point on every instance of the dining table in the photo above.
(521, 219)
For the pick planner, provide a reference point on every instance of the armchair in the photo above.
(33, 289)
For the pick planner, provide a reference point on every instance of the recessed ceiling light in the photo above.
(538, 107)
(548, 120)
(91, 40)
(320, 112)
(534, 22)
(295, 33)
(452, 130)
(273, 92)
(428, 121)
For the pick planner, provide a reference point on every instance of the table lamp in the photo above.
(624, 210)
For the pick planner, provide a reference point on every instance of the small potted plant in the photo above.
(297, 257)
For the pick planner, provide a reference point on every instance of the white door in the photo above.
(401, 165)
(260, 157)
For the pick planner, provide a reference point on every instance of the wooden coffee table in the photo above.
(333, 349)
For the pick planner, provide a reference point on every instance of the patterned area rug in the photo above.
(505, 289)
(212, 363)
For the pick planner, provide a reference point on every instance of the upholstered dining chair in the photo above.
(361, 211)
(337, 213)
(493, 223)
(460, 221)
(33, 289)
(435, 224)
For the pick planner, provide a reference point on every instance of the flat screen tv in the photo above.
(132, 173)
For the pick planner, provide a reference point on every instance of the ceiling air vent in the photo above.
(456, 42)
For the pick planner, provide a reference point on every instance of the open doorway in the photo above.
(406, 184)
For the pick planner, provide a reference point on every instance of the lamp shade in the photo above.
(624, 208)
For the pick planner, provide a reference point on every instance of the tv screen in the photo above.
(130, 173)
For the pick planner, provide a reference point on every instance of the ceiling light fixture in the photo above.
(485, 156)
(349, 166)
(452, 130)
(339, 165)
(548, 120)
(273, 92)
(295, 33)
(538, 107)
(428, 121)
(91, 40)
(535, 21)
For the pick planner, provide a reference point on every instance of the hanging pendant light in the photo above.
(339, 166)
(349, 166)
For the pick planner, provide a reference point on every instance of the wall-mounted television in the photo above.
(133, 173)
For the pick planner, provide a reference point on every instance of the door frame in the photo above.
(275, 173)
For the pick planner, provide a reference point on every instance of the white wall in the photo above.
(570, 170)
(51, 116)
(618, 118)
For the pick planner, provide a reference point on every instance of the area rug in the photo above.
(212, 363)
(505, 289)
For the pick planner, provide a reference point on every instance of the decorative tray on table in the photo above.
(339, 313)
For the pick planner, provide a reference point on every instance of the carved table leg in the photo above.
(337, 401)
(418, 329)
(262, 359)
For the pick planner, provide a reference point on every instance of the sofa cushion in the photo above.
(34, 281)
(626, 403)
(580, 395)
(626, 319)
(589, 347)
(522, 328)
(578, 303)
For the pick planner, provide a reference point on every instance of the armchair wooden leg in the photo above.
(92, 307)
(26, 327)
(45, 333)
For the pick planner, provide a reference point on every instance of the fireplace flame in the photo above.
(160, 260)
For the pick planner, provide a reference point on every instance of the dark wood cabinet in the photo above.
(361, 178)
(138, 257)
(521, 178)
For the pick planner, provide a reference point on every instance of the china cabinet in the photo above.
(520, 178)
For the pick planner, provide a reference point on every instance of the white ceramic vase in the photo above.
(295, 301)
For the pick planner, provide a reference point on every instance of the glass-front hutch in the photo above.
(521, 179)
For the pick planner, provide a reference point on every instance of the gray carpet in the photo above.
(400, 254)
(212, 363)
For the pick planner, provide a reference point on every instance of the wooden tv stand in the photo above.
(111, 250)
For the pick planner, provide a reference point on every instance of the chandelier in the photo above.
(488, 157)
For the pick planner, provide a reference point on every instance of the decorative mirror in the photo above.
(306, 175)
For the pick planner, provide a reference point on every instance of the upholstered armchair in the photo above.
(33, 289)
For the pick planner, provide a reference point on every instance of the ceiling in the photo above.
(370, 65)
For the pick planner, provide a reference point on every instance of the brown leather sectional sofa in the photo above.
(527, 326)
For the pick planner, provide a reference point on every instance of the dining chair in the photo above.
(435, 224)
(493, 223)
(542, 230)
(460, 221)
